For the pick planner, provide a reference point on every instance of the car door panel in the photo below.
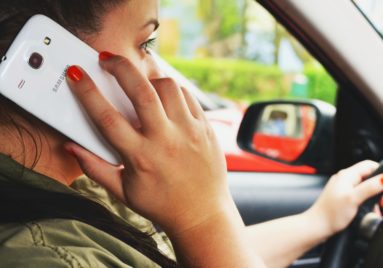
(265, 196)
(262, 197)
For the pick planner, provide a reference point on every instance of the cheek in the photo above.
(153, 71)
(145, 64)
(139, 63)
(135, 57)
(142, 61)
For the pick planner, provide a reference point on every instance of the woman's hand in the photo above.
(344, 193)
(282, 241)
(175, 172)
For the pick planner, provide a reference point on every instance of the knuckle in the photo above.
(363, 166)
(166, 83)
(374, 187)
(200, 133)
(172, 150)
(369, 162)
(142, 163)
(187, 93)
(199, 139)
(119, 65)
(195, 137)
(166, 86)
(210, 132)
(107, 119)
(348, 198)
(87, 88)
(144, 96)
(342, 173)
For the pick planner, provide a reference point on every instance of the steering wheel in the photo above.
(338, 249)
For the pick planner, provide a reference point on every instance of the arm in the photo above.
(173, 170)
(282, 241)
(221, 242)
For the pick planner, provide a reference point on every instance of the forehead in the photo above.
(135, 13)
(125, 24)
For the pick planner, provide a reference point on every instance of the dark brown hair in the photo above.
(84, 19)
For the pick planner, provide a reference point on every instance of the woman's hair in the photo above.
(84, 19)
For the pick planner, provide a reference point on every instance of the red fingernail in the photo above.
(104, 56)
(381, 181)
(75, 74)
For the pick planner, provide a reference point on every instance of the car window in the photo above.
(221, 44)
(236, 53)
(372, 10)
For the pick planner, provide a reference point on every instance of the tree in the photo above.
(280, 33)
(205, 8)
(224, 19)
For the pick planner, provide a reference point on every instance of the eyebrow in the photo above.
(154, 22)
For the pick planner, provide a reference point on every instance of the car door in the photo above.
(358, 124)
(339, 37)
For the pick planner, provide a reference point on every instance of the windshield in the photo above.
(373, 12)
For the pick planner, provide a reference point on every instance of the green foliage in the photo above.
(223, 18)
(248, 81)
(230, 18)
(321, 85)
(235, 79)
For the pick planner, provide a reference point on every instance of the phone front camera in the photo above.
(36, 60)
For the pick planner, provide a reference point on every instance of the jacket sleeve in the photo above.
(34, 257)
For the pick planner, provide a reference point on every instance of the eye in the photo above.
(148, 45)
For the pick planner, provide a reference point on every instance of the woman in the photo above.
(181, 186)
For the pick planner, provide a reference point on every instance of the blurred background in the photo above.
(236, 50)
(235, 53)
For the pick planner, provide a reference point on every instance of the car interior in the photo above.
(352, 52)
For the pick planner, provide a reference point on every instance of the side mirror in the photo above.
(292, 132)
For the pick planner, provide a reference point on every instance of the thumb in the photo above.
(98, 170)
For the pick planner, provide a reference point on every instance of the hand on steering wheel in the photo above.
(348, 197)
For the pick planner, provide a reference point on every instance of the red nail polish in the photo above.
(104, 56)
(75, 74)
(381, 181)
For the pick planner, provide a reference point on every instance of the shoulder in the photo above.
(24, 246)
(93, 190)
(64, 243)
(96, 192)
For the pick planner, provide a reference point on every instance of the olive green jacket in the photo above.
(69, 243)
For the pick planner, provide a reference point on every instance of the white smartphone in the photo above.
(32, 75)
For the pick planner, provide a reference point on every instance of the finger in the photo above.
(376, 209)
(369, 188)
(139, 90)
(194, 106)
(359, 171)
(114, 127)
(172, 98)
(95, 168)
